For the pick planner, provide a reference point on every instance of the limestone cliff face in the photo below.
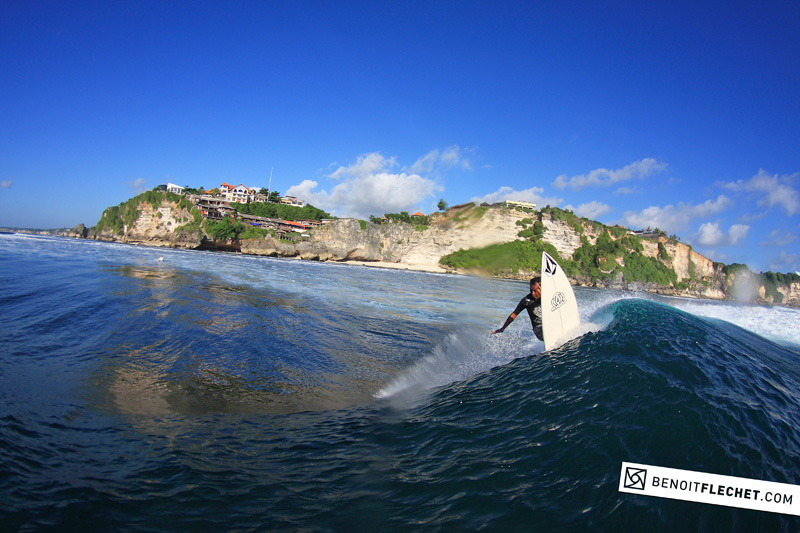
(346, 240)
(563, 236)
(156, 226)
(473, 228)
(683, 259)
(791, 295)
(710, 280)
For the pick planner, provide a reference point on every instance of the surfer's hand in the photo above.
(497, 331)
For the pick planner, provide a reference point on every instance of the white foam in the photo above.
(461, 355)
(780, 324)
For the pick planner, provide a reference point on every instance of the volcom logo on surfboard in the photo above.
(550, 265)
(558, 300)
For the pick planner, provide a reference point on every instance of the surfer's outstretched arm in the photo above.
(509, 320)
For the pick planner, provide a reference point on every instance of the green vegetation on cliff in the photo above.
(228, 229)
(567, 216)
(614, 252)
(499, 259)
(611, 253)
(282, 211)
(609, 256)
(420, 222)
(771, 281)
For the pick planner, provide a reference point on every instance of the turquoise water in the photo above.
(225, 392)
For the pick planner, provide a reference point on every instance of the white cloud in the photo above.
(712, 236)
(785, 262)
(368, 187)
(773, 190)
(451, 157)
(753, 218)
(738, 232)
(6, 184)
(532, 195)
(603, 177)
(365, 166)
(592, 210)
(779, 238)
(138, 185)
(673, 218)
(435, 161)
(425, 163)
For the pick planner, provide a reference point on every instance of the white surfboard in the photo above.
(560, 319)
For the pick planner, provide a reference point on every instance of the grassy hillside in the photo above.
(613, 252)
(605, 253)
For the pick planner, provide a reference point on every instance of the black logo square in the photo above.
(635, 478)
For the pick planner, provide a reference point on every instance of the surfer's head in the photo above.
(536, 286)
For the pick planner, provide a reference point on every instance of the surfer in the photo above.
(533, 304)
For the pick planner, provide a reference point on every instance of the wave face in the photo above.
(220, 392)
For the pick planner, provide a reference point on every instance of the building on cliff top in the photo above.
(239, 193)
(177, 189)
(291, 200)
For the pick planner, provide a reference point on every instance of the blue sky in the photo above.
(679, 115)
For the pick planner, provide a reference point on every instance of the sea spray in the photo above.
(462, 354)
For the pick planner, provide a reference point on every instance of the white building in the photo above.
(177, 189)
(291, 200)
(239, 193)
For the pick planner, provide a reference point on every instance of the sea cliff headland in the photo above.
(495, 240)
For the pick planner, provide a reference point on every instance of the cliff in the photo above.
(152, 219)
(403, 244)
(168, 220)
(470, 227)
(685, 262)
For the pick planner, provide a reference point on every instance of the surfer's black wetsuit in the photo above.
(532, 302)
(534, 308)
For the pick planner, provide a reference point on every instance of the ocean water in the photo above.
(218, 392)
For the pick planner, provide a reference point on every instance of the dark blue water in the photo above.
(220, 392)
